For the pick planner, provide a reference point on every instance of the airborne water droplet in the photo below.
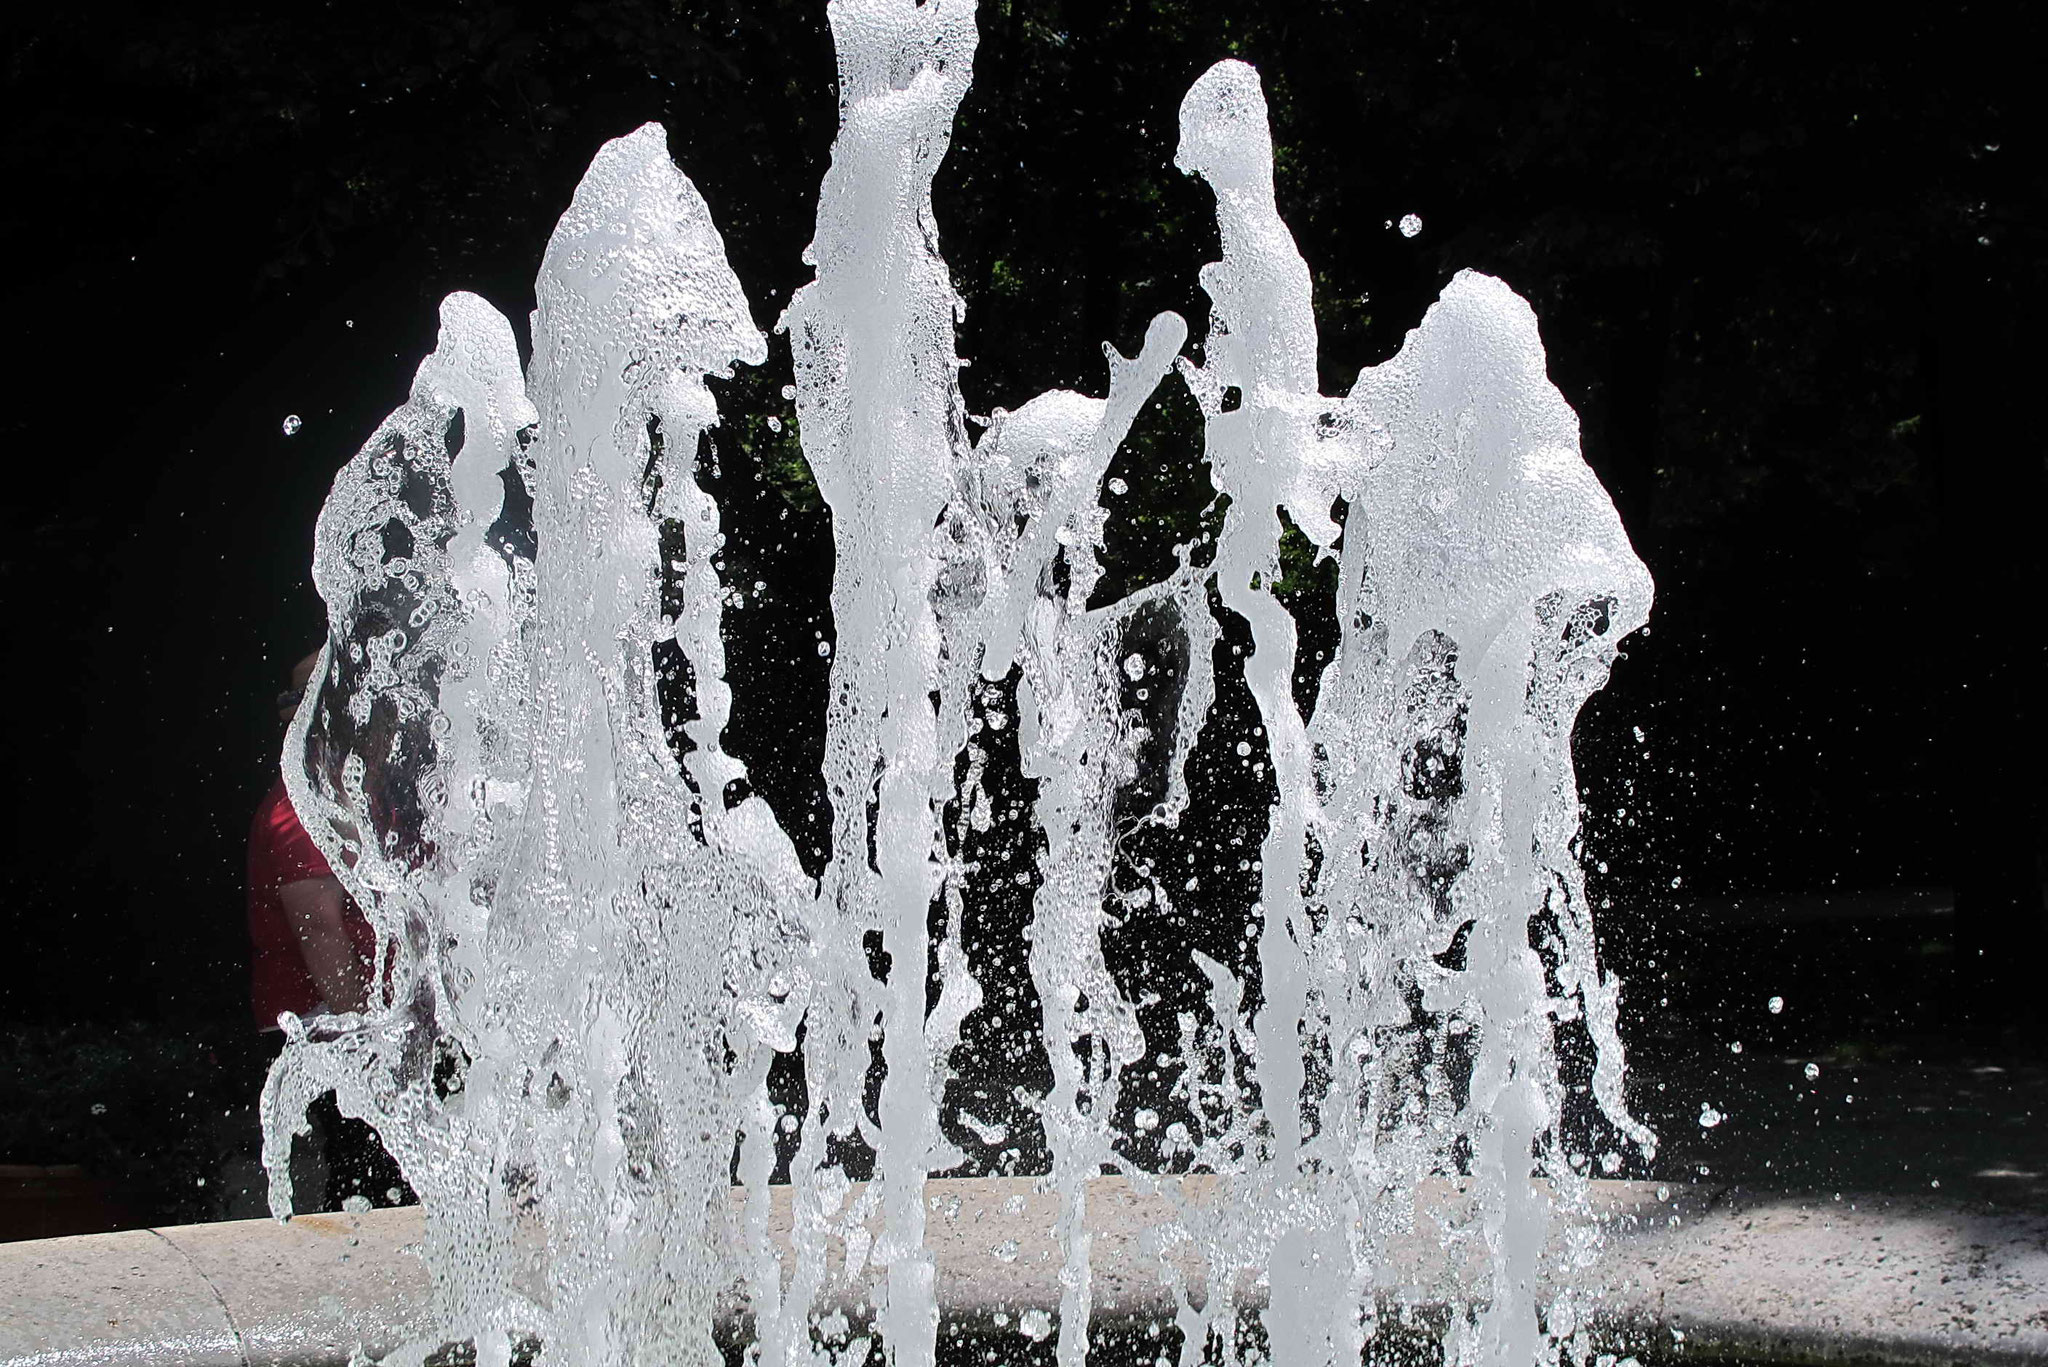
(292, 425)
(1411, 224)
(1776, 1005)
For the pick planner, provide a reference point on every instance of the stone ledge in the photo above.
(1704, 1272)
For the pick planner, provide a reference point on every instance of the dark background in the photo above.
(1789, 266)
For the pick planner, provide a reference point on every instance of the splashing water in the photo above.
(590, 956)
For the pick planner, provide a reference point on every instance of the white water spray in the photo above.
(591, 954)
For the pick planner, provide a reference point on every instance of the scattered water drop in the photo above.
(1411, 224)
(1812, 1071)
(1776, 1005)
(292, 425)
(1709, 1117)
(1035, 1324)
(357, 1204)
(1117, 486)
(774, 423)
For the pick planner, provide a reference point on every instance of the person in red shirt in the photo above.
(311, 947)
(312, 951)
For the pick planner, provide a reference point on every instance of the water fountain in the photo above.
(593, 954)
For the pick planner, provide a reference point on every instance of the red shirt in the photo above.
(280, 852)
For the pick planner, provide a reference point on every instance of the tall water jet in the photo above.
(591, 953)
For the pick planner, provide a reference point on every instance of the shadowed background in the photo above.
(1789, 270)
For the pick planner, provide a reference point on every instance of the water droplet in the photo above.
(292, 425)
(1005, 1252)
(1244, 747)
(1735, 1047)
(1709, 1117)
(774, 423)
(1776, 1004)
(789, 391)
(1146, 1121)
(1035, 1324)
(1134, 667)
(1812, 1071)
(824, 649)
(1117, 486)
(356, 1205)
(1610, 1162)
(99, 1108)
(1411, 224)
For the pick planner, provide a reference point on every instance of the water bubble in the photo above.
(1035, 1324)
(292, 425)
(1244, 747)
(1775, 1005)
(1411, 224)
(824, 649)
(789, 391)
(1709, 1117)
(1117, 486)
(774, 423)
(1812, 1071)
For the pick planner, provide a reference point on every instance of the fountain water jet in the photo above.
(590, 956)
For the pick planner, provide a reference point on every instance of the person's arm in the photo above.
(317, 908)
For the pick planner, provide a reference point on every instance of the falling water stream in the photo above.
(592, 955)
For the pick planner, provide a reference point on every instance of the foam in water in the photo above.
(591, 955)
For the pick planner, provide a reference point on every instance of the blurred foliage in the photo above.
(1765, 244)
